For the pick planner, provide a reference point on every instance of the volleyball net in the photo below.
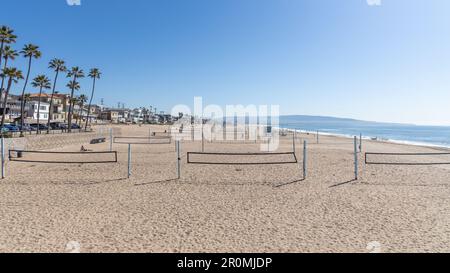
(143, 140)
(412, 159)
(241, 158)
(51, 157)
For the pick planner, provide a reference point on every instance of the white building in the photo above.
(137, 115)
(43, 112)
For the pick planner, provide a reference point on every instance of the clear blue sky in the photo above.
(318, 57)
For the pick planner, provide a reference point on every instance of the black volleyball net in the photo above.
(241, 158)
(51, 157)
(413, 159)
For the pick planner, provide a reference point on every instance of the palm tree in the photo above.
(29, 51)
(75, 73)
(8, 54)
(14, 76)
(6, 37)
(41, 82)
(94, 74)
(57, 65)
(27, 97)
(73, 102)
(82, 99)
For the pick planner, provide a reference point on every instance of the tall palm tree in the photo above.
(29, 51)
(6, 37)
(26, 99)
(94, 74)
(42, 82)
(13, 75)
(57, 65)
(8, 54)
(82, 99)
(74, 73)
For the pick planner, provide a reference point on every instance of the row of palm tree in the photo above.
(12, 75)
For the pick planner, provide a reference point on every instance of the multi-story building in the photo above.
(43, 108)
(60, 105)
(124, 115)
(12, 109)
(117, 115)
(165, 118)
(79, 113)
(141, 115)
(110, 115)
(137, 115)
(94, 113)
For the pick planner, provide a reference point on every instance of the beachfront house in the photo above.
(94, 113)
(143, 115)
(124, 115)
(12, 109)
(79, 113)
(60, 105)
(110, 115)
(137, 115)
(153, 119)
(165, 118)
(116, 115)
(43, 111)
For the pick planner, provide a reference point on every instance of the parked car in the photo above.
(26, 128)
(41, 127)
(58, 126)
(12, 128)
(76, 126)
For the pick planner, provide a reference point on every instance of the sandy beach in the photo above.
(220, 208)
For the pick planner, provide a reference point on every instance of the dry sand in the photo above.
(265, 208)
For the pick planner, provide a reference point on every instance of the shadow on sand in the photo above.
(344, 183)
(89, 183)
(156, 182)
(290, 183)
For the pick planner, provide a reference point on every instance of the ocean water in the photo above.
(438, 136)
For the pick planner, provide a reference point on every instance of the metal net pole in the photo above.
(356, 157)
(129, 160)
(304, 159)
(178, 159)
(3, 156)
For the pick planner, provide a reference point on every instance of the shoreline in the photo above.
(369, 138)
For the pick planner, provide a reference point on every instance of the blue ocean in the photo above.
(403, 133)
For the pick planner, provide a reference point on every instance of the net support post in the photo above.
(178, 159)
(305, 158)
(318, 141)
(356, 157)
(129, 160)
(3, 156)
(111, 140)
